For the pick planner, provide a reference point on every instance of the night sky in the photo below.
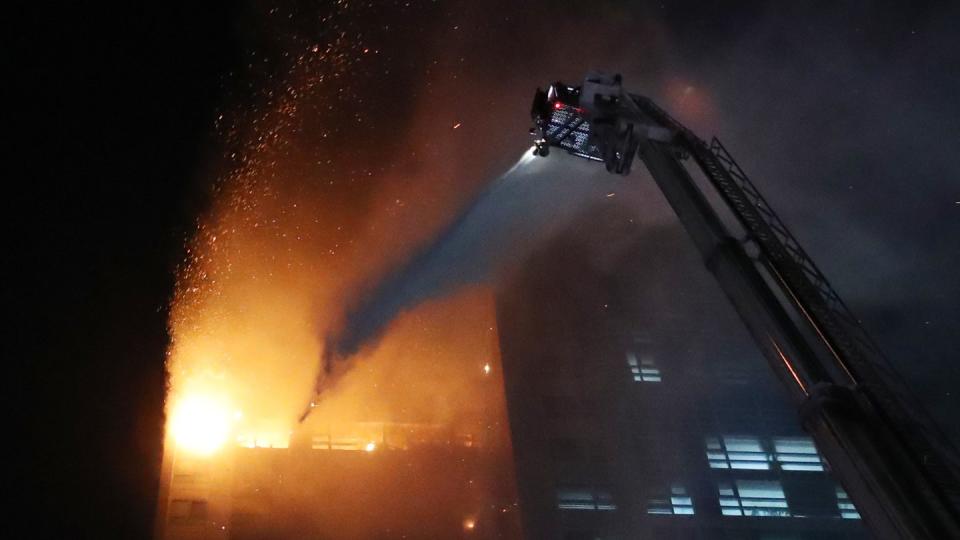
(844, 114)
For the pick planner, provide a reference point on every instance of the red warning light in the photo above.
(557, 105)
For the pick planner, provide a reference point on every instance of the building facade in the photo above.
(368, 480)
(413, 443)
(638, 406)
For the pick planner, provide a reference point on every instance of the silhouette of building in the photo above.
(638, 406)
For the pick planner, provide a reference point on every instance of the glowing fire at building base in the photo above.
(230, 472)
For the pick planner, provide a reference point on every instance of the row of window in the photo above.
(765, 498)
(749, 498)
(748, 452)
(740, 452)
(584, 499)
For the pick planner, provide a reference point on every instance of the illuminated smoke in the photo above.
(514, 214)
(241, 319)
(299, 215)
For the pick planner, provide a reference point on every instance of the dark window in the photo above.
(579, 498)
(566, 449)
(188, 510)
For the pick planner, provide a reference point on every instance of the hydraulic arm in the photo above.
(889, 455)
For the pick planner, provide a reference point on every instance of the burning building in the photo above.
(381, 457)
(367, 480)
(604, 390)
(600, 406)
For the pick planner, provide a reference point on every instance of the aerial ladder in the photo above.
(899, 469)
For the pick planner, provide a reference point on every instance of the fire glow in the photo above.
(268, 272)
(201, 424)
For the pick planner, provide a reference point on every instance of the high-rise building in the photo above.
(638, 406)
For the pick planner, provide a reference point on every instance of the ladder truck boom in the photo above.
(891, 458)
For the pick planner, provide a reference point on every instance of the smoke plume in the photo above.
(507, 219)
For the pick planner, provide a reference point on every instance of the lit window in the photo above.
(679, 503)
(797, 454)
(584, 499)
(753, 498)
(644, 369)
(264, 440)
(846, 507)
(347, 442)
(737, 452)
(320, 442)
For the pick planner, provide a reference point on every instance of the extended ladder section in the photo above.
(848, 343)
(893, 460)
